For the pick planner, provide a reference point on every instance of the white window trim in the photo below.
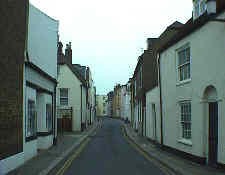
(177, 65)
(64, 97)
(185, 141)
(27, 134)
(198, 3)
(183, 82)
(181, 139)
(51, 126)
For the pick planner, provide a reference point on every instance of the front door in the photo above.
(213, 133)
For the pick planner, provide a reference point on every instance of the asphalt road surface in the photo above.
(108, 153)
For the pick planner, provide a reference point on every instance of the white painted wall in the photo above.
(42, 40)
(35, 78)
(44, 142)
(11, 163)
(30, 148)
(67, 79)
(153, 97)
(207, 68)
(127, 107)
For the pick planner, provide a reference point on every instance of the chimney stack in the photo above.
(211, 7)
(68, 53)
(60, 46)
(150, 43)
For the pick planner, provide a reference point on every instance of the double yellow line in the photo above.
(68, 163)
(142, 152)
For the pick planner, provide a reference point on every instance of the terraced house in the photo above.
(192, 85)
(29, 60)
(152, 121)
(71, 92)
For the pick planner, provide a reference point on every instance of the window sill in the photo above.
(185, 142)
(183, 82)
(43, 134)
(31, 138)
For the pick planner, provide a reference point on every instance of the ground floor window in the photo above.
(31, 119)
(49, 117)
(185, 108)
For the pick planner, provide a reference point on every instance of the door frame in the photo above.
(212, 160)
(154, 121)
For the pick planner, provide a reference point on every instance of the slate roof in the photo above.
(75, 72)
(63, 60)
(192, 25)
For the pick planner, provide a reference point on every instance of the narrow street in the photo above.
(109, 153)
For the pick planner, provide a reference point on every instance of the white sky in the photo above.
(108, 35)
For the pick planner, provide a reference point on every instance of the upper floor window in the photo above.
(202, 6)
(199, 7)
(64, 96)
(184, 64)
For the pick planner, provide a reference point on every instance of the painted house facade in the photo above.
(144, 80)
(110, 104)
(71, 92)
(153, 122)
(117, 101)
(123, 101)
(36, 73)
(192, 85)
(127, 108)
(101, 105)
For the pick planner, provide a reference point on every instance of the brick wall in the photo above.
(13, 38)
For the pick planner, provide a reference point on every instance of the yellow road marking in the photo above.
(152, 160)
(68, 163)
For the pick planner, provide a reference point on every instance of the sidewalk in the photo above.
(175, 163)
(46, 160)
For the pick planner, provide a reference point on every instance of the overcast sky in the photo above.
(108, 35)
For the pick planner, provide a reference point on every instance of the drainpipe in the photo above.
(54, 121)
(81, 107)
(160, 92)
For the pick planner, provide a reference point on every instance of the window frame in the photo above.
(185, 118)
(179, 66)
(31, 120)
(198, 11)
(49, 117)
(63, 97)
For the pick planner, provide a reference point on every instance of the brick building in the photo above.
(29, 73)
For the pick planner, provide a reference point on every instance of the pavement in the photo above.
(107, 152)
(109, 147)
(47, 160)
(176, 164)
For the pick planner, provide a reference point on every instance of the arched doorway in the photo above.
(210, 95)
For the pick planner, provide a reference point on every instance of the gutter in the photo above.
(81, 107)
(160, 92)
(54, 121)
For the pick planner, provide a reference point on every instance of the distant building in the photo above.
(110, 104)
(101, 105)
